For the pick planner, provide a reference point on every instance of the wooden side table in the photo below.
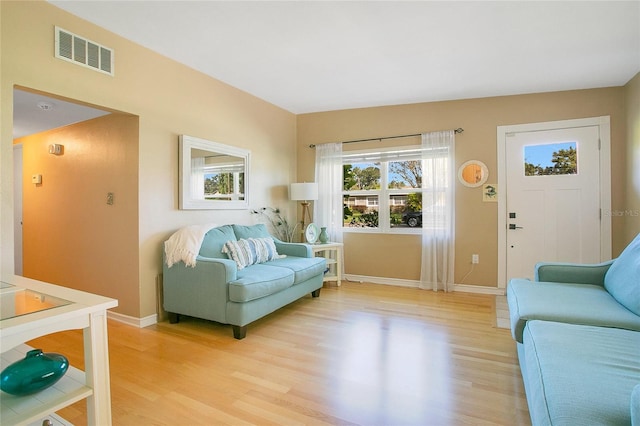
(332, 252)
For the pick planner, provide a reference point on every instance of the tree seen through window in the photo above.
(562, 161)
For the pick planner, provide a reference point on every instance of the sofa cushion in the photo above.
(303, 267)
(623, 277)
(252, 231)
(578, 375)
(258, 281)
(563, 302)
(246, 252)
(214, 241)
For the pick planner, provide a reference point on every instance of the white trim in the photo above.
(463, 288)
(136, 322)
(382, 280)
(605, 182)
(478, 289)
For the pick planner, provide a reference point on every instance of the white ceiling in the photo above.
(308, 56)
(34, 113)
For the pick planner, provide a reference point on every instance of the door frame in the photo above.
(604, 126)
(17, 208)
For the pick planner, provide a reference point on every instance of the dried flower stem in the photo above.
(281, 227)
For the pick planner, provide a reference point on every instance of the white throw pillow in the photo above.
(246, 252)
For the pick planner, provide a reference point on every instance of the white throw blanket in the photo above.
(185, 244)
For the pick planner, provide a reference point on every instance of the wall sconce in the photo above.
(304, 192)
(56, 149)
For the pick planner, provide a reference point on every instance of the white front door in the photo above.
(553, 197)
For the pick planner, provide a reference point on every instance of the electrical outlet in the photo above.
(475, 258)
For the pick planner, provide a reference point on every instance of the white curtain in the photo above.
(328, 209)
(197, 178)
(438, 210)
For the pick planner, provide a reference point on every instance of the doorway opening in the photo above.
(79, 196)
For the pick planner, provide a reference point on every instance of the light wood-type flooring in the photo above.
(360, 354)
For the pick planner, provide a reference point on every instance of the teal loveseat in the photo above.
(577, 329)
(237, 292)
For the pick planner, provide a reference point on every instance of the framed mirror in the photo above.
(473, 173)
(212, 175)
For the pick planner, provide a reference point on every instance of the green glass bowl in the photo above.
(37, 371)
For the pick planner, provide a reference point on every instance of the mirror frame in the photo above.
(187, 143)
(483, 178)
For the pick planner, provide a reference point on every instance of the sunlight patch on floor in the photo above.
(502, 312)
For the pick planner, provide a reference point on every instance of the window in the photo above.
(551, 159)
(383, 190)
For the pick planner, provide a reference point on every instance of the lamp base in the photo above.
(306, 214)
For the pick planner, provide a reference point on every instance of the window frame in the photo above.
(384, 193)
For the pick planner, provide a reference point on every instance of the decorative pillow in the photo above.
(246, 252)
(265, 249)
(251, 231)
(214, 241)
(622, 280)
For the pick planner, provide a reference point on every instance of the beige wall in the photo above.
(71, 236)
(632, 204)
(476, 221)
(170, 100)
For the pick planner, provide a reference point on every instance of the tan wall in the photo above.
(170, 100)
(476, 222)
(71, 236)
(632, 205)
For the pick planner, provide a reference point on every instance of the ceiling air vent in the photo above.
(73, 48)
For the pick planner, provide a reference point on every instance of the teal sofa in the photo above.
(577, 329)
(217, 288)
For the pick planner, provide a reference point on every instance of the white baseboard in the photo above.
(382, 280)
(479, 289)
(463, 288)
(136, 322)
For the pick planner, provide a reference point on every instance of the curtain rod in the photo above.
(458, 130)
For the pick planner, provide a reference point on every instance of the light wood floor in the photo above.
(360, 354)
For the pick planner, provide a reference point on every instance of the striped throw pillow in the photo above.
(246, 252)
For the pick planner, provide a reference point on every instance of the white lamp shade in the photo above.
(307, 191)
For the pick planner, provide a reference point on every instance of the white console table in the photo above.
(332, 252)
(31, 309)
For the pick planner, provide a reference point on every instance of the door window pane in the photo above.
(551, 159)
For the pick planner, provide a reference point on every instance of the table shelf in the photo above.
(332, 252)
(85, 311)
(28, 408)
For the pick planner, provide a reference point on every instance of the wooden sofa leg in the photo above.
(173, 318)
(239, 332)
(316, 293)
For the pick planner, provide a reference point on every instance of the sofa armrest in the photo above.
(217, 266)
(293, 249)
(635, 406)
(201, 291)
(577, 273)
